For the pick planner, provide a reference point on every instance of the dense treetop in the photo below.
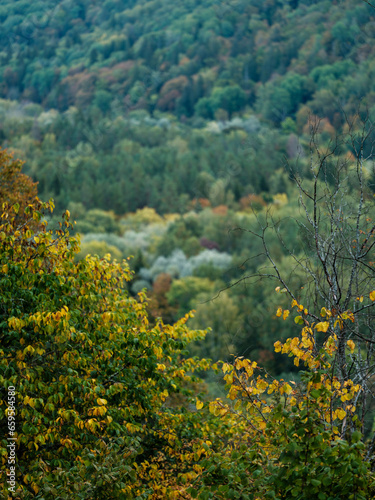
(194, 58)
(121, 105)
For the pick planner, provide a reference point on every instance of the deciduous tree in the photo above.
(92, 378)
(15, 187)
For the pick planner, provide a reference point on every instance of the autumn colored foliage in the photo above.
(15, 187)
(108, 406)
(292, 440)
(92, 377)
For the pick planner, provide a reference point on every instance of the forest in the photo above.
(187, 249)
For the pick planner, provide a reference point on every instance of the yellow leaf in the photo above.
(372, 295)
(199, 405)
(287, 389)
(348, 315)
(285, 314)
(237, 406)
(351, 345)
(278, 346)
(294, 303)
(233, 393)
(340, 413)
(101, 402)
(226, 367)
(106, 317)
(279, 312)
(322, 326)
(262, 384)
(29, 349)
(338, 322)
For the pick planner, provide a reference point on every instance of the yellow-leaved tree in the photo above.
(314, 439)
(96, 416)
(291, 440)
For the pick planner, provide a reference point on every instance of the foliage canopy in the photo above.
(95, 382)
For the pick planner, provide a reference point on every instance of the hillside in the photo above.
(130, 87)
(100, 399)
(128, 111)
(195, 58)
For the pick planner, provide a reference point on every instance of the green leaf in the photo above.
(315, 482)
(315, 393)
(356, 436)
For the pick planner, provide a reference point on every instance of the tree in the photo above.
(15, 187)
(224, 319)
(103, 100)
(289, 440)
(231, 98)
(204, 108)
(101, 396)
(337, 228)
